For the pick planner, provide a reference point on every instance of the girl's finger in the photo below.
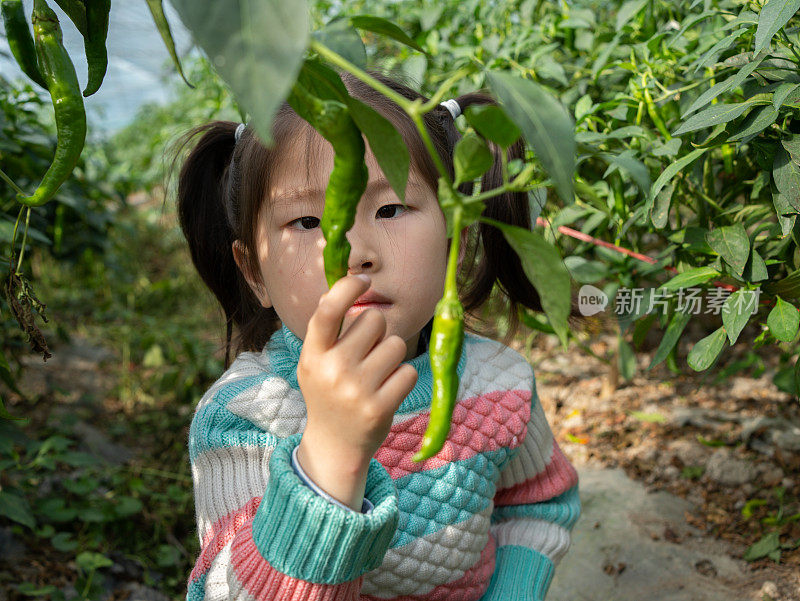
(383, 360)
(326, 321)
(367, 330)
(398, 386)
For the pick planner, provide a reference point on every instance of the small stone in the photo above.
(770, 589)
(729, 471)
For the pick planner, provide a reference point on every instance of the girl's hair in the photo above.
(222, 185)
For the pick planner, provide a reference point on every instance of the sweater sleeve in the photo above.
(536, 504)
(263, 533)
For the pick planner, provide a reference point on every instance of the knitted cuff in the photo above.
(303, 535)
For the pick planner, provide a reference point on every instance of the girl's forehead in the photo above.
(306, 161)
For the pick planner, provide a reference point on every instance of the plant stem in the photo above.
(24, 238)
(11, 183)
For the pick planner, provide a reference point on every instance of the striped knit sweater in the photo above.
(488, 517)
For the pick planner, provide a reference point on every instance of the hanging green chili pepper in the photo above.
(76, 11)
(447, 339)
(20, 40)
(655, 115)
(95, 43)
(65, 92)
(349, 177)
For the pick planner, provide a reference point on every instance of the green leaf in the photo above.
(384, 27)
(736, 312)
(256, 47)
(341, 37)
(713, 115)
(471, 157)
(545, 269)
(89, 561)
(159, 18)
(671, 336)
(386, 144)
(757, 121)
(772, 17)
(728, 84)
(717, 48)
(16, 508)
(670, 172)
(783, 320)
(786, 213)
(626, 161)
(659, 213)
(493, 124)
(756, 269)
(626, 359)
(787, 178)
(732, 244)
(705, 351)
(544, 123)
(782, 92)
(691, 277)
(63, 541)
(768, 543)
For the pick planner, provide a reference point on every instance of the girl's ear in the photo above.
(240, 256)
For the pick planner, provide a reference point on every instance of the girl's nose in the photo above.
(363, 250)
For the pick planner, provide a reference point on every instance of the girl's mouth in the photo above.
(361, 307)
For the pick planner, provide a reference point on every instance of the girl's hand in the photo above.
(352, 385)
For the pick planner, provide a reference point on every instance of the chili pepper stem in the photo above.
(11, 183)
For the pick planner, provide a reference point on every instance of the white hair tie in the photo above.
(452, 106)
(239, 131)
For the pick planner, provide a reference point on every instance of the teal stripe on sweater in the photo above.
(214, 427)
(197, 589)
(521, 574)
(564, 510)
(449, 494)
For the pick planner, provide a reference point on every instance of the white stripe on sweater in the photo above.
(225, 479)
(430, 561)
(546, 537)
(534, 454)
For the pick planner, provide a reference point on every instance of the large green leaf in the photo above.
(545, 269)
(705, 351)
(386, 144)
(471, 158)
(384, 27)
(772, 17)
(671, 336)
(783, 320)
(670, 172)
(256, 47)
(714, 115)
(16, 508)
(691, 277)
(159, 18)
(545, 125)
(340, 36)
(492, 123)
(736, 312)
(787, 178)
(732, 244)
(725, 85)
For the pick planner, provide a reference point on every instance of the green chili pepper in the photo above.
(447, 339)
(20, 40)
(76, 11)
(655, 115)
(349, 177)
(95, 43)
(65, 92)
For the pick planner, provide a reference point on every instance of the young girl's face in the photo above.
(402, 249)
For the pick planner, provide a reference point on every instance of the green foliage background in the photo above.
(119, 274)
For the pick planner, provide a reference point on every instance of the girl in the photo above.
(301, 451)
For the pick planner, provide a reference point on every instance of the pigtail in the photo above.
(206, 186)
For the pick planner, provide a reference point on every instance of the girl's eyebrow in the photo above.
(373, 187)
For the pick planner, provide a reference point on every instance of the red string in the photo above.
(568, 231)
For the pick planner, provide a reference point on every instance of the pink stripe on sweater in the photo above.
(556, 478)
(471, 585)
(220, 534)
(479, 424)
(263, 582)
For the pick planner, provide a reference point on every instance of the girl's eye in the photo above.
(389, 211)
(305, 223)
